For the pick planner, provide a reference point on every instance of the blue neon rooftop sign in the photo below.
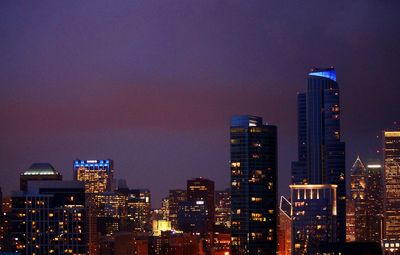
(92, 163)
(330, 74)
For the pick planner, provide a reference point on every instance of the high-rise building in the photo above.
(39, 172)
(358, 186)
(223, 208)
(285, 227)
(201, 189)
(5, 227)
(138, 210)
(193, 217)
(321, 155)
(313, 217)
(350, 221)
(391, 158)
(96, 174)
(50, 218)
(98, 177)
(374, 193)
(253, 186)
(175, 197)
(111, 212)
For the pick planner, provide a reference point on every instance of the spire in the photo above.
(358, 166)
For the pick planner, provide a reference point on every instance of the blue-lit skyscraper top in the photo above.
(94, 164)
(329, 73)
(97, 174)
(246, 121)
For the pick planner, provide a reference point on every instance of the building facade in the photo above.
(285, 227)
(253, 186)
(38, 172)
(391, 157)
(358, 186)
(50, 217)
(321, 153)
(98, 175)
(314, 213)
(202, 189)
(139, 210)
(223, 208)
(375, 194)
(175, 197)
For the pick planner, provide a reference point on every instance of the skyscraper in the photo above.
(202, 189)
(391, 156)
(138, 209)
(96, 174)
(253, 186)
(313, 217)
(38, 172)
(175, 197)
(321, 155)
(374, 193)
(285, 227)
(358, 186)
(223, 208)
(50, 218)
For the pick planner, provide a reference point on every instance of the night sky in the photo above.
(153, 84)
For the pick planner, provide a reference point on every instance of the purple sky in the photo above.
(153, 84)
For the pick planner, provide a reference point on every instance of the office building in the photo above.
(253, 148)
(38, 172)
(350, 221)
(111, 212)
(201, 191)
(138, 210)
(375, 194)
(50, 218)
(358, 186)
(313, 217)
(391, 159)
(223, 209)
(98, 175)
(285, 227)
(321, 153)
(193, 217)
(175, 197)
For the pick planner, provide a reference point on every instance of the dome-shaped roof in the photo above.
(41, 169)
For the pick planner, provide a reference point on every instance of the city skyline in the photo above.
(155, 91)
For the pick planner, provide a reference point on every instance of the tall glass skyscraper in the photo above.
(391, 150)
(358, 186)
(96, 174)
(50, 217)
(313, 217)
(253, 186)
(321, 157)
(374, 193)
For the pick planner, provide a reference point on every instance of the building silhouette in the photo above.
(358, 186)
(38, 172)
(253, 186)
(314, 213)
(50, 217)
(391, 157)
(321, 153)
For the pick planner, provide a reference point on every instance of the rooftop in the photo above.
(40, 169)
(329, 73)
